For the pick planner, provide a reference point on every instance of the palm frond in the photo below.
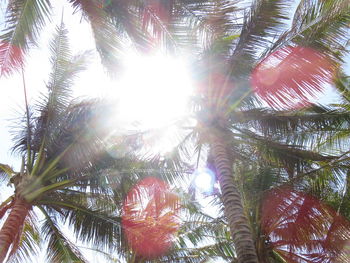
(107, 256)
(290, 76)
(201, 237)
(59, 248)
(6, 172)
(65, 68)
(282, 124)
(319, 39)
(75, 136)
(265, 21)
(24, 20)
(21, 132)
(319, 24)
(29, 241)
(342, 84)
(291, 157)
(286, 212)
(107, 39)
(43, 127)
(330, 33)
(127, 18)
(168, 25)
(92, 221)
(215, 23)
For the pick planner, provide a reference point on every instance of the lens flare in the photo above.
(151, 217)
(216, 87)
(12, 60)
(292, 77)
(204, 180)
(301, 227)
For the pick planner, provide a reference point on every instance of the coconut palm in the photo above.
(60, 176)
(274, 142)
(293, 219)
(232, 57)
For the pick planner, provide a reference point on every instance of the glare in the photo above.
(204, 180)
(153, 90)
(148, 93)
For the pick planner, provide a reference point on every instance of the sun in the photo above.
(153, 91)
(149, 93)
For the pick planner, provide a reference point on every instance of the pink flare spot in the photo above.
(297, 224)
(291, 76)
(11, 58)
(150, 217)
(155, 18)
(160, 9)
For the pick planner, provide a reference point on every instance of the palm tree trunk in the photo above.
(13, 226)
(238, 222)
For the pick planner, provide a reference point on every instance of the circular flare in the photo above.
(150, 217)
(292, 76)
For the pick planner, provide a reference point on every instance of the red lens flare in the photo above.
(291, 76)
(159, 8)
(303, 229)
(11, 58)
(151, 217)
(155, 18)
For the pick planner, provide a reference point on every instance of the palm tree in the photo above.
(293, 218)
(61, 160)
(232, 55)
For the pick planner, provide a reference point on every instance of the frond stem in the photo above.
(28, 121)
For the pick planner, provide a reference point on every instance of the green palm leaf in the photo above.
(266, 20)
(59, 249)
(29, 242)
(6, 172)
(24, 20)
(107, 38)
(320, 24)
(66, 67)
